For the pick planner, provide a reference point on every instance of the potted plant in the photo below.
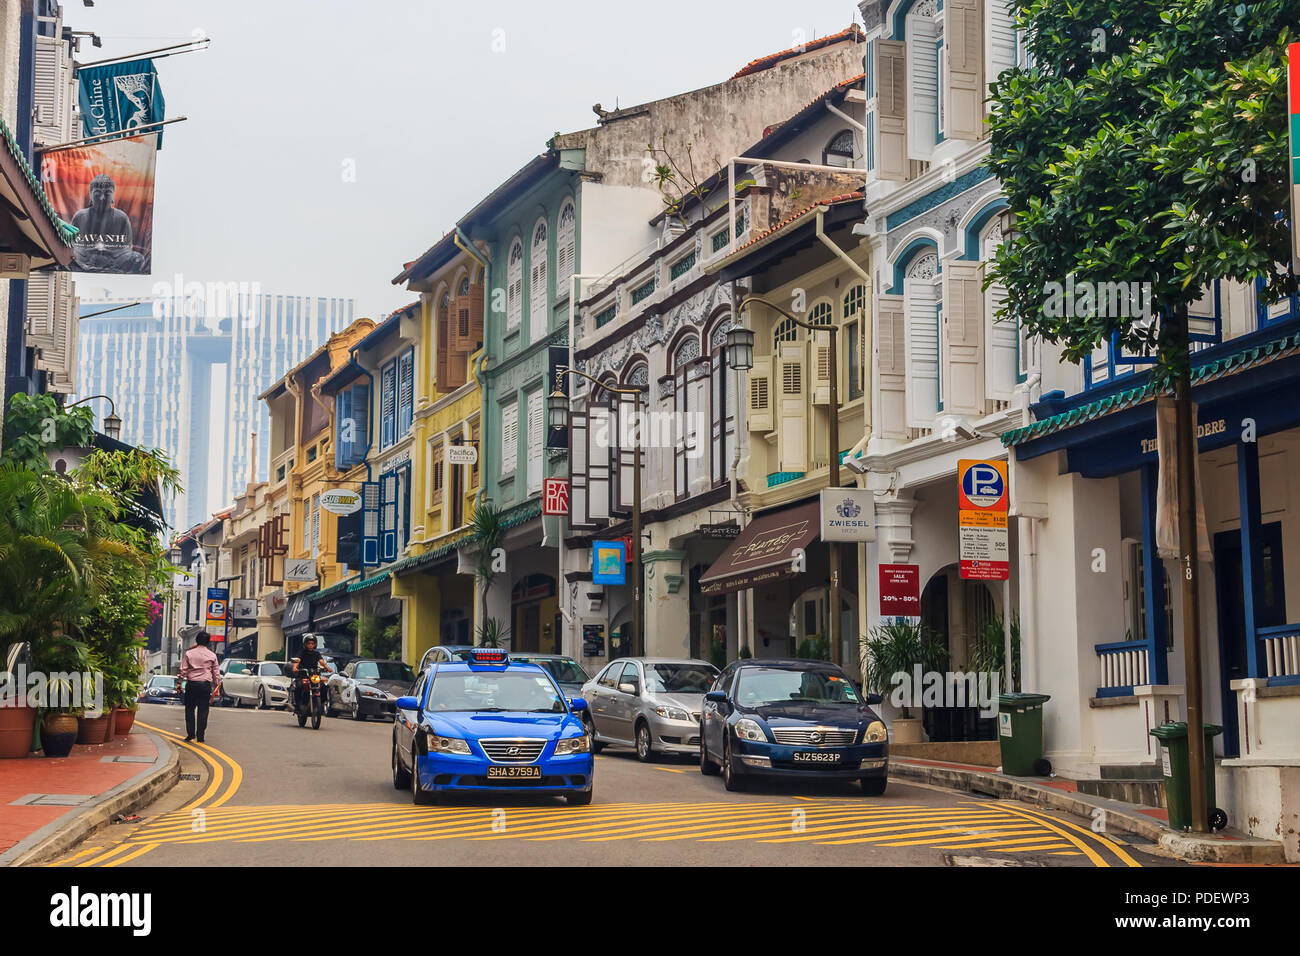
(895, 647)
(58, 732)
(70, 690)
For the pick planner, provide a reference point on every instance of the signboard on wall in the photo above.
(608, 562)
(462, 454)
(341, 501)
(300, 569)
(555, 496)
(900, 590)
(848, 514)
(982, 520)
(218, 603)
(593, 640)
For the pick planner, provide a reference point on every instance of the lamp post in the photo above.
(558, 417)
(740, 343)
(112, 424)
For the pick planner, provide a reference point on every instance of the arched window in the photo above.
(840, 150)
(463, 288)
(515, 286)
(822, 314)
(786, 331)
(537, 317)
(566, 247)
(855, 305)
(638, 375)
(691, 403)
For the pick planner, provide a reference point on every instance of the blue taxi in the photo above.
(486, 723)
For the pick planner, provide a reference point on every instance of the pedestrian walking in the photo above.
(202, 681)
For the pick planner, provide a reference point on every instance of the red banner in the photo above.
(105, 190)
(900, 590)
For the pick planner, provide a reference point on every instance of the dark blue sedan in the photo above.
(792, 718)
(160, 689)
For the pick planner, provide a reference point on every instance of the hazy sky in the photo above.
(431, 104)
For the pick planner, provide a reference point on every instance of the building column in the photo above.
(667, 605)
(1251, 581)
(1153, 582)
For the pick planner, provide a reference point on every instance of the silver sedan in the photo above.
(650, 703)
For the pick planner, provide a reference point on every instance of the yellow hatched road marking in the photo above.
(94, 861)
(131, 856)
(1111, 843)
(76, 856)
(892, 823)
(1096, 858)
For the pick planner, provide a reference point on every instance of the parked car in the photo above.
(368, 687)
(490, 724)
(264, 683)
(235, 667)
(795, 719)
(444, 652)
(161, 689)
(567, 672)
(650, 703)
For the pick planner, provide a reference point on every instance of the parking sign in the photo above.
(982, 520)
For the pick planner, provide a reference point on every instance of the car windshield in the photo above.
(495, 691)
(769, 685)
(162, 683)
(564, 670)
(679, 678)
(384, 670)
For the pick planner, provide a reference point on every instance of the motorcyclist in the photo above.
(308, 658)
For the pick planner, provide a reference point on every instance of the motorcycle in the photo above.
(309, 701)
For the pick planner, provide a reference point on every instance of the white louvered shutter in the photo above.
(566, 248)
(1003, 346)
(891, 110)
(50, 92)
(697, 448)
(922, 86)
(820, 347)
(891, 366)
(758, 411)
(599, 440)
(963, 306)
(922, 353)
(1000, 39)
(509, 438)
(792, 441)
(537, 299)
(963, 97)
(578, 494)
(515, 286)
(536, 432)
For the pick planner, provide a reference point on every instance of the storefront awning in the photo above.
(764, 551)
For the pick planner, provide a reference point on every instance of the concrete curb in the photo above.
(1200, 848)
(62, 834)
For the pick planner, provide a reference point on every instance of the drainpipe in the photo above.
(742, 596)
(1028, 558)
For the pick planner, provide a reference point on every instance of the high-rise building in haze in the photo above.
(185, 373)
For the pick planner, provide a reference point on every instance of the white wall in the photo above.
(608, 226)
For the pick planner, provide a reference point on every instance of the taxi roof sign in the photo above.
(489, 657)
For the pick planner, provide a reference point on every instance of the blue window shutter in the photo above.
(405, 391)
(361, 414)
(342, 415)
(370, 524)
(388, 408)
(388, 515)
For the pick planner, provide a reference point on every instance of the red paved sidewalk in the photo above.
(85, 773)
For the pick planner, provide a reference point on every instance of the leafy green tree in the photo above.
(34, 424)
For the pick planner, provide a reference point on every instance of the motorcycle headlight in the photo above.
(447, 745)
(672, 713)
(876, 733)
(572, 745)
(747, 729)
(315, 678)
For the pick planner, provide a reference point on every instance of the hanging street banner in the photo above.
(300, 569)
(462, 454)
(608, 562)
(1293, 110)
(982, 520)
(119, 97)
(900, 590)
(105, 190)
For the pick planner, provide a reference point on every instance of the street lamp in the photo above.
(112, 424)
(741, 342)
(557, 406)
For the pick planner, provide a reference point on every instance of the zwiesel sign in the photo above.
(300, 569)
(462, 455)
(339, 501)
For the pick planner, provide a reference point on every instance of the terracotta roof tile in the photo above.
(766, 62)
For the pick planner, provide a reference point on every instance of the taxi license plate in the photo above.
(515, 773)
(815, 756)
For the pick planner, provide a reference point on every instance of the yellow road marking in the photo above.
(1091, 854)
(131, 856)
(1109, 842)
(78, 855)
(94, 861)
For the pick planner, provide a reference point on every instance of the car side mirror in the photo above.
(627, 687)
(874, 700)
(577, 704)
(408, 703)
(716, 696)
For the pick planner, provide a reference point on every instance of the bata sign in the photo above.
(341, 502)
(848, 514)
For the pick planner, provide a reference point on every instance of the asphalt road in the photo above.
(264, 791)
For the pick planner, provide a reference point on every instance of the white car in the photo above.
(263, 683)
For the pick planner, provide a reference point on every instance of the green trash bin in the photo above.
(1020, 734)
(1175, 763)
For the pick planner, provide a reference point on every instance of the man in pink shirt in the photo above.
(202, 681)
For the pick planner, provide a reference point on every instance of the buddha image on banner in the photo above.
(105, 190)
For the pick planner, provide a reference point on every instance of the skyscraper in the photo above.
(167, 360)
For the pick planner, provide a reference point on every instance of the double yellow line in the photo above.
(225, 776)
